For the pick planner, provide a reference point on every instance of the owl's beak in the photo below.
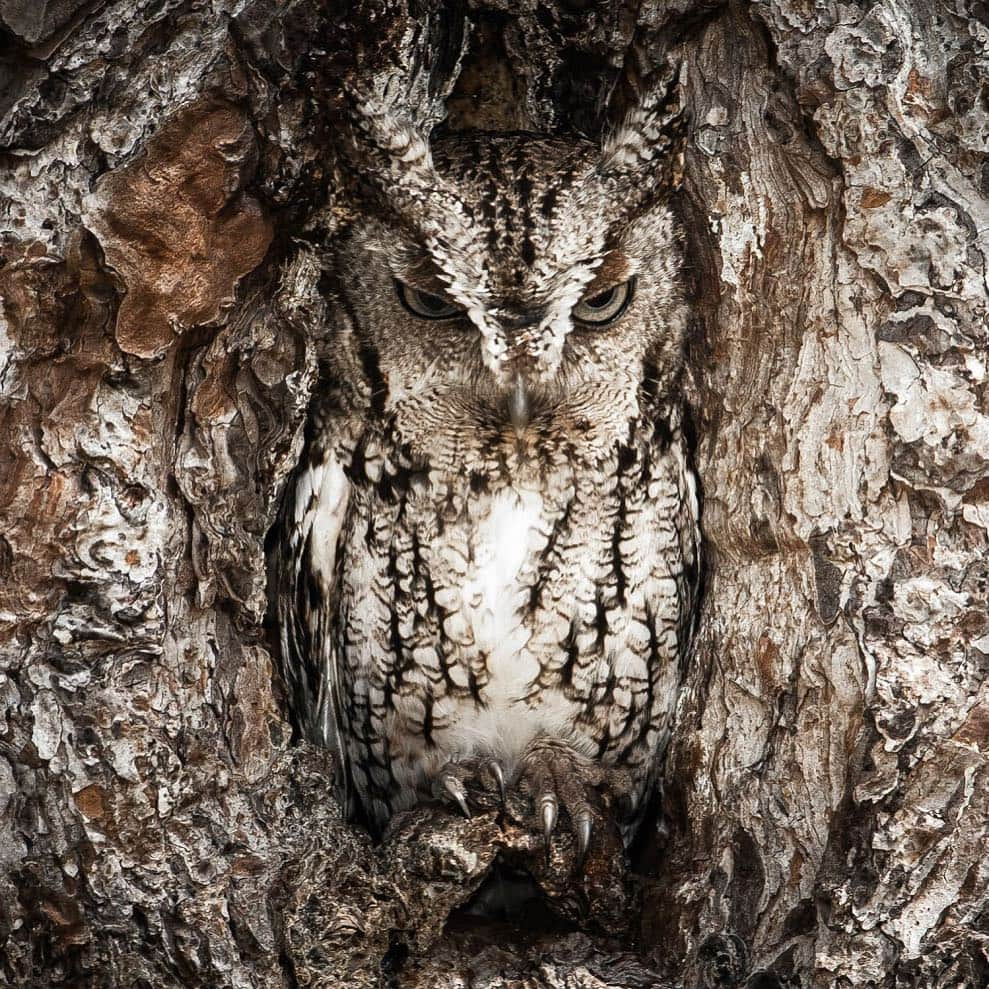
(518, 404)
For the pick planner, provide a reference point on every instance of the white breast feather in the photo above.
(329, 511)
(505, 545)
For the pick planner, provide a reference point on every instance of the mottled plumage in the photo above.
(492, 536)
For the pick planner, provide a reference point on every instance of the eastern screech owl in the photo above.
(488, 557)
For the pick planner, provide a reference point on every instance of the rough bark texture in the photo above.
(166, 185)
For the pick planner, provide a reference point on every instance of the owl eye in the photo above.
(424, 305)
(606, 307)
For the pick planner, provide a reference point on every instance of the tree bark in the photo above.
(167, 185)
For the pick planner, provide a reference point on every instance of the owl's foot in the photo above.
(470, 780)
(555, 775)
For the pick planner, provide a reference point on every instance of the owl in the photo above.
(487, 557)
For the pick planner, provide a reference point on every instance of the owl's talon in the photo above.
(499, 776)
(557, 777)
(470, 781)
(455, 789)
(584, 825)
(549, 809)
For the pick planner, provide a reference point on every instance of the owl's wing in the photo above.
(313, 515)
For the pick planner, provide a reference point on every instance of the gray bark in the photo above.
(167, 183)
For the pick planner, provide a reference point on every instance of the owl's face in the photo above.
(529, 314)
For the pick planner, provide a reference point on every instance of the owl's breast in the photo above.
(477, 615)
(502, 546)
(485, 568)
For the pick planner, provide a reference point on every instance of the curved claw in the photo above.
(549, 808)
(584, 825)
(499, 776)
(456, 790)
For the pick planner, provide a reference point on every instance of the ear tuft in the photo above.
(386, 146)
(645, 152)
(390, 157)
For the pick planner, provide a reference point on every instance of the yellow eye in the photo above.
(424, 305)
(605, 307)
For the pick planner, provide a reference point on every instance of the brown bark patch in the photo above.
(767, 657)
(177, 227)
(54, 315)
(874, 198)
(975, 729)
(90, 801)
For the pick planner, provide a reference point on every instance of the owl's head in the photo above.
(516, 291)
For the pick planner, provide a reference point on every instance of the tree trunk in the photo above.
(168, 184)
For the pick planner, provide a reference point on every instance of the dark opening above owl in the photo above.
(488, 554)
